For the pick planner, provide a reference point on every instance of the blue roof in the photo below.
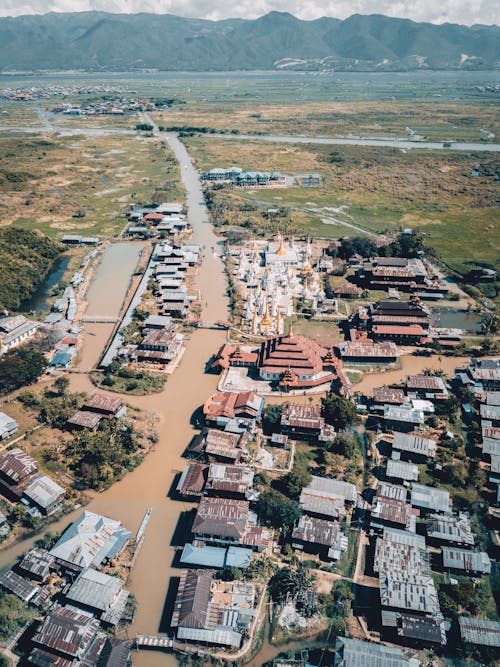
(60, 358)
(208, 556)
(238, 557)
(216, 556)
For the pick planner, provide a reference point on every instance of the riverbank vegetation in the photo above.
(20, 367)
(124, 380)
(92, 459)
(13, 615)
(26, 258)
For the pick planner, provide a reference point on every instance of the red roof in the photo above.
(412, 330)
(231, 404)
(300, 354)
(154, 216)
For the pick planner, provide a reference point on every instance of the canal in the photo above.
(40, 301)
(184, 392)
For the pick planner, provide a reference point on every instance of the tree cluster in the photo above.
(99, 459)
(26, 257)
(20, 367)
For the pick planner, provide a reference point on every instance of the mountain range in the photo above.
(99, 41)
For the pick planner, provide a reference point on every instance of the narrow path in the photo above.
(360, 141)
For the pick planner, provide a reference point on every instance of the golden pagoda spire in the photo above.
(281, 250)
(266, 321)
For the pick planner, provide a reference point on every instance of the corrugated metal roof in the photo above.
(95, 589)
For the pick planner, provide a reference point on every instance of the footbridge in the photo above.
(99, 319)
(164, 643)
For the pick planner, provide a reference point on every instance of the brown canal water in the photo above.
(185, 391)
(409, 365)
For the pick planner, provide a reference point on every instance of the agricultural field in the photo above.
(436, 121)
(18, 114)
(80, 184)
(367, 190)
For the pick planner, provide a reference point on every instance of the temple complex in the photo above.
(270, 276)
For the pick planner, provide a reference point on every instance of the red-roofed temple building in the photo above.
(290, 361)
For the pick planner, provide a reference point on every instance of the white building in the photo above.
(14, 331)
(8, 426)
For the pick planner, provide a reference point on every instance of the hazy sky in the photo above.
(436, 11)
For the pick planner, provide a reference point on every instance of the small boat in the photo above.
(144, 523)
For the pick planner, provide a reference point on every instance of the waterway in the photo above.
(184, 392)
(39, 302)
(108, 289)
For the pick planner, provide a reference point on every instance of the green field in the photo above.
(44, 182)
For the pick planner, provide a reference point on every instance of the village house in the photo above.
(445, 529)
(89, 541)
(415, 594)
(302, 421)
(320, 537)
(354, 653)
(96, 408)
(36, 564)
(162, 346)
(215, 557)
(392, 513)
(430, 387)
(229, 481)
(224, 521)
(15, 330)
(324, 497)
(11, 582)
(98, 594)
(74, 239)
(68, 637)
(388, 396)
(401, 471)
(43, 494)
(8, 426)
(402, 417)
(209, 611)
(216, 479)
(367, 352)
(348, 291)
(396, 553)
(412, 447)
(479, 631)
(418, 631)
(466, 560)
(192, 481)
(222, 446)
(430, 499)
(233, 410)
(17, 468)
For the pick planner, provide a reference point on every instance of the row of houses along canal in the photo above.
(148, 486)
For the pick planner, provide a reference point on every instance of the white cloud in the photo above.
(452, 11)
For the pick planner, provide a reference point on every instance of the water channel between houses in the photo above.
(184, 392)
